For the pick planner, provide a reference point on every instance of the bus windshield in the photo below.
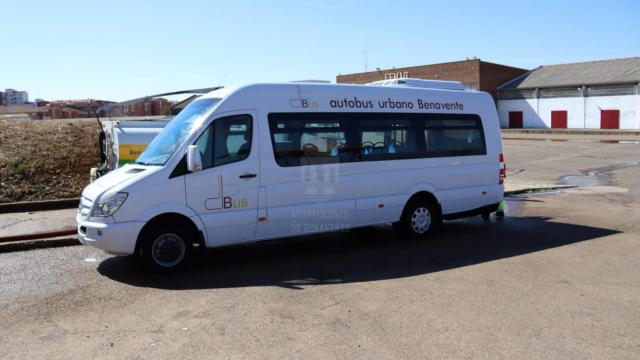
(174, 134)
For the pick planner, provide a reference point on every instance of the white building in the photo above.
(589, 95)
(14, 97)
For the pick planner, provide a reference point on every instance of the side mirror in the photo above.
(194, 161)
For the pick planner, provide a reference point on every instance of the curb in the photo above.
(570, 132)
(28, 206)
(533, 190)
(38, 236)
(37, 244)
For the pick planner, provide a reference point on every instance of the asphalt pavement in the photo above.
(556, 279)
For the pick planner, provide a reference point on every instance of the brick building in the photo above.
(149, 107)
(66, 113)
(475, 74)
(68, 109)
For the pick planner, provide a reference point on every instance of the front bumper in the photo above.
(113, 238)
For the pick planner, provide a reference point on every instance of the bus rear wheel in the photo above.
(418, 220)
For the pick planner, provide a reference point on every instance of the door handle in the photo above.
(247, 176)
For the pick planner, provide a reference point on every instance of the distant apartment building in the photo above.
(15, 97)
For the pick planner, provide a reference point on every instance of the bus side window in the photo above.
(232, 139)
(384, 138)
(226, 140)
(454, 137)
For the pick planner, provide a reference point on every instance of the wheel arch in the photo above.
(172, 218)
(172, 208)
(426, 196)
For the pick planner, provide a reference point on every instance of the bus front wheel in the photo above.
(166, 247)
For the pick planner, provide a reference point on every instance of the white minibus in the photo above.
(267, 161)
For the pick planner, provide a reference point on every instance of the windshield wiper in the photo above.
(145, 163)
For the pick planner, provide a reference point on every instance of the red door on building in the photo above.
(609, 119)
(559, 119)
(515, 119)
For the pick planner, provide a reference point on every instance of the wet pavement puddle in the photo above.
(597, 176)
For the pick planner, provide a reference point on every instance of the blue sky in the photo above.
(124, 49)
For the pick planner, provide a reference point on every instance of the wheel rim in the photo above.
(420, 220)
(168, 250)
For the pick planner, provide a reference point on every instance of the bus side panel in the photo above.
(458, 184)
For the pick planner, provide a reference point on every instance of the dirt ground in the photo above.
(46, 159)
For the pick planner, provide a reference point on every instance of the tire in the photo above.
(419, 219)
(166, 247)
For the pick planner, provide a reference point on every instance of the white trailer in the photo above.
(122, 140)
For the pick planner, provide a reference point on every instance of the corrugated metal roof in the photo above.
(614, 71)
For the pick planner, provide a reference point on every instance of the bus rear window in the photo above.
(454, 138)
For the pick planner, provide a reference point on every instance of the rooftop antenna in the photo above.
(366, 65)
(223, 77)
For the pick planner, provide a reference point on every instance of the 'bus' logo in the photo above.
(229, 203)
(303, 104)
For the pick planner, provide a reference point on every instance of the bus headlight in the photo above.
(108, 204)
